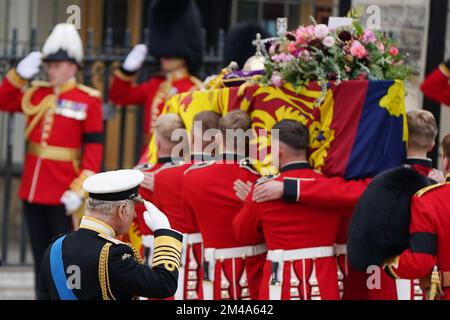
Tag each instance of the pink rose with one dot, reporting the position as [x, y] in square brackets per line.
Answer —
[272, 49]
[303, 34]
[282, 57]
[380, 47]
[276, 80]
[321, 31]
[292, 47]
[358, 50]
[369, 36]
[393, 51]
[328, 41]
[305, 55]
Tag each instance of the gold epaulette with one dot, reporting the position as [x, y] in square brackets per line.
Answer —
[40, 83]
[421, 192]
[90, 91]
[110, 239]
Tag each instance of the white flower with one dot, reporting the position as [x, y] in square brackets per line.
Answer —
[328, 41]
[321, 31]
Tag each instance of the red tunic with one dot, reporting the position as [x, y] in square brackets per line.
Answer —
[61, 121]
[152, 94]
[429, 236]
[291, 226]
[436, 85]
[337, 192]
[147, 195]
[210, 204]
[167, 197]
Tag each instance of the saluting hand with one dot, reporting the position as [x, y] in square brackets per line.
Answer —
[154, 218]
[268, 191]
[135, 58]
[28, 67]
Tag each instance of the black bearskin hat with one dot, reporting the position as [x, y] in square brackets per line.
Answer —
[175, 31]
[238, 43]
[379, 228]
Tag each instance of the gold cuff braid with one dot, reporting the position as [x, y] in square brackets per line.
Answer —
[167, 253]
[15, 80]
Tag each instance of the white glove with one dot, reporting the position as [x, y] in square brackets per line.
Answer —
[72, 201]
[154, 218]
[28, 67]
[135, 58]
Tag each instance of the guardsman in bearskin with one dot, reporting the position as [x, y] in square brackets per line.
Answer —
[64, 133]
[168, 191]
[232, 269]
[175, 34]
[91, 264]
[301, 261]
[436, 85]
[427, 257]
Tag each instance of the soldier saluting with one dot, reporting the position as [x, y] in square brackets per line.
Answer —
[64, 132]
[101, 266]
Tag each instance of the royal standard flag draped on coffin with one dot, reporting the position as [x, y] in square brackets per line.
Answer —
[357, 131]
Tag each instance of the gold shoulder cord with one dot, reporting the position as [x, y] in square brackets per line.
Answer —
[103, 272]
[136, 254]
[36, 111]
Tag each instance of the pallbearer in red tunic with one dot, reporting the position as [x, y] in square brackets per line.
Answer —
[165, 126]
[436, 85]
[301, 262]
[64, 133]
[168, 194]
[427, 257]
[337, 192]
[232, 267]
[176, 44]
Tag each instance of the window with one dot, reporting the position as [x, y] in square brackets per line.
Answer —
[266, 12]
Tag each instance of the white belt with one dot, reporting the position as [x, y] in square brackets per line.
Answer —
[300, 254]
[212, 254]
[278, 257]
[340, 249]
[193, 238]
[237, 252]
